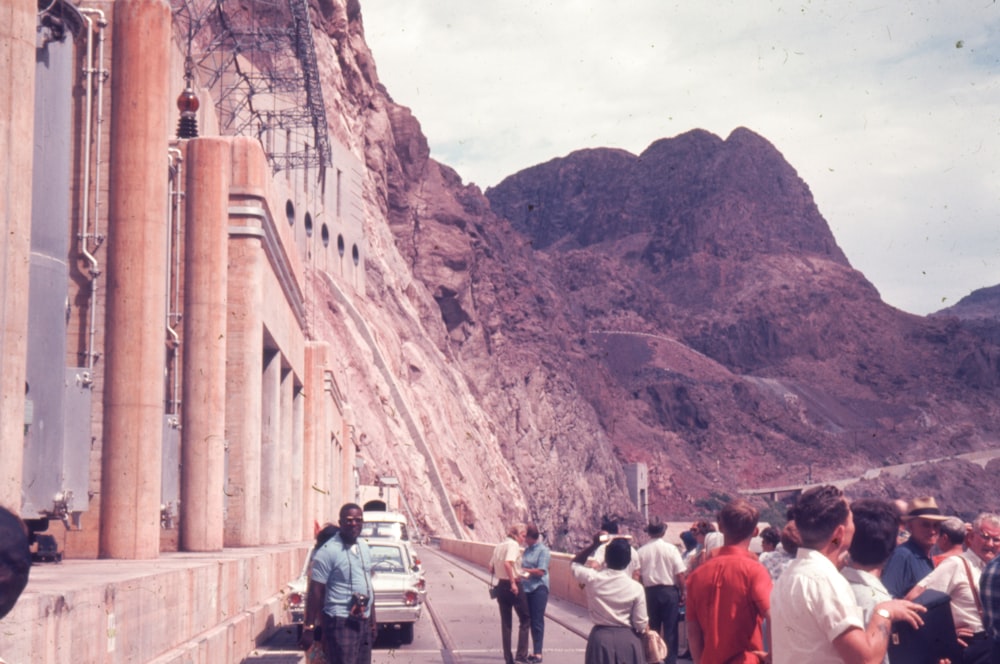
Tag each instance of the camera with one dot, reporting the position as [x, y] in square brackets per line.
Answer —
[358, 604]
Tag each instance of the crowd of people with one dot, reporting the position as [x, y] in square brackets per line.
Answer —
[867, 581]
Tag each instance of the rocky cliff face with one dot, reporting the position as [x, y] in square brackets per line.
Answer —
[687, 307]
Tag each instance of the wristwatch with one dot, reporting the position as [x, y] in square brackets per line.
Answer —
[884, 613]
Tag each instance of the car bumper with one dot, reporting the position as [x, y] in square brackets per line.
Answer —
[393, 615]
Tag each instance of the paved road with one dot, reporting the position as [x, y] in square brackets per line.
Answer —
[460, 624]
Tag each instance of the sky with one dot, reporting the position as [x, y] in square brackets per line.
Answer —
[889, 110]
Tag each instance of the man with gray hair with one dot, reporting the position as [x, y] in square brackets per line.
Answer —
[951, 541]
[958, 577]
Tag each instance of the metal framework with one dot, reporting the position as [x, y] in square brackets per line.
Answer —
[258, 60]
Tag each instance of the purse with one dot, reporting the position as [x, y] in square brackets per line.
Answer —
[493, 589]
[652, 643]
[934, 641]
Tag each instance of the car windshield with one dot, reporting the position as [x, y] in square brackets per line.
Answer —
[386, 529]
[387, 558]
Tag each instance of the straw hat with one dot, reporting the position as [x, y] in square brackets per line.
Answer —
[924, 507]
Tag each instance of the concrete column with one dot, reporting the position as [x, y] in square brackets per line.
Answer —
[136, 271]
[348, 455]
[286, 450]
[270, 450]
[297, 469]
[313, 457]
[17, 90]
[204, 413]
[245, 335]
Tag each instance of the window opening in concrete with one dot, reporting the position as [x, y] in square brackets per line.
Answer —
[290, 212]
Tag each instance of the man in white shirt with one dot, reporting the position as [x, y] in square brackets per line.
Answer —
[958, 577]
[662, 573]
[814, 615]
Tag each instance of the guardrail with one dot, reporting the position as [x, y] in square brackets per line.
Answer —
[561, 583]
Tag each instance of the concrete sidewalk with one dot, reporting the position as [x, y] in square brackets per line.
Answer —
[569, 615]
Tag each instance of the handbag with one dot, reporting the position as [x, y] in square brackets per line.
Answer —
[493, 589]
[654, 647]
[934, 641]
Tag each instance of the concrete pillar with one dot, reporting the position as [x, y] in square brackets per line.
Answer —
[136, 318]
[245, 335]
[17, 90]
[313, 457]
[297, 468]
[270, 450]
[204, 412]
[286, 449]
[348, 455]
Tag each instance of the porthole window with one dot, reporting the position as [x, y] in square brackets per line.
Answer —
[340, 245]
[355, 254]
[290, 212]
[309, 225]
[324, 233]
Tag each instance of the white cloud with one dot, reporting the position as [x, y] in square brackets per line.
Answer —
[890, 111]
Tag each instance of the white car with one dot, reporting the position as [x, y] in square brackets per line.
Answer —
[398, 587]
[295, 596]
[390, 526]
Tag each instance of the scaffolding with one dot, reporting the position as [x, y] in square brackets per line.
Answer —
[257, 59]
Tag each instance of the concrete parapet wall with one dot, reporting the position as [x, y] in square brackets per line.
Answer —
[561, 583]
[179, 609]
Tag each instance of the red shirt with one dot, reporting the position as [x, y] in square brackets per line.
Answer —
[728, 596]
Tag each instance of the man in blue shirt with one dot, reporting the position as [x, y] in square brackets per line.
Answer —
[911, 561]
[340, 594]
[535, 564]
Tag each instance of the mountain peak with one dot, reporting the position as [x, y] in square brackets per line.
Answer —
[694, 192]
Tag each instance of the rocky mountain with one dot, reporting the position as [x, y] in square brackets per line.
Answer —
[687, 307]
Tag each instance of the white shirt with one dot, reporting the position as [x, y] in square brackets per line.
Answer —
[811, 605]
[950, 577]
[660, 563]
[613, 598]
[506, 551]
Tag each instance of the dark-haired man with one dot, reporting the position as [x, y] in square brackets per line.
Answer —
[341, 594]
[728, 596]
[661, 570]
[15, 559]
[814, 615]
